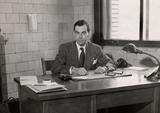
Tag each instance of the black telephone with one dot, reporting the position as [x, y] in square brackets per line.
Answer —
[65, 77]
[122, 63]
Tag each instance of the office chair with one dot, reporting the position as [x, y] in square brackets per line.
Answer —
[46, 66]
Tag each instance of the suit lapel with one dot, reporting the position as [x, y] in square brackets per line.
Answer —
[74, 54]
[88, 56]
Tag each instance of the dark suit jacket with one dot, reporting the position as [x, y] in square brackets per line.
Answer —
[68, 56]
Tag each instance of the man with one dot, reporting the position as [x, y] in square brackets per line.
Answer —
[79, 56]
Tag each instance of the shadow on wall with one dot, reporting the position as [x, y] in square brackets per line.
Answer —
[149, 62]
[3, 77]
[97, 38]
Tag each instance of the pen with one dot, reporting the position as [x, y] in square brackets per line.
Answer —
[126, 75]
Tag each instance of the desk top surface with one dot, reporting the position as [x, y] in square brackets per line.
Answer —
[96, 86]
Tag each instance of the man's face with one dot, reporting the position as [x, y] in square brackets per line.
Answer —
[81, 34]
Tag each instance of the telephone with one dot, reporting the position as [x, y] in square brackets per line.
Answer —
[65, 77]
[122, 63]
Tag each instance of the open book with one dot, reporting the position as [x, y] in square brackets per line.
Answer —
[43, 88]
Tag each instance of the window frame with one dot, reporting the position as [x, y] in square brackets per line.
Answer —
[98, 22]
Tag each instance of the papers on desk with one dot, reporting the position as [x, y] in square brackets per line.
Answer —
[151, 71]
[46, 86]
[43, 88]
[91, 75]
[28, 80]
[136, 68]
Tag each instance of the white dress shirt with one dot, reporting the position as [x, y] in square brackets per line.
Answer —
[79, 50]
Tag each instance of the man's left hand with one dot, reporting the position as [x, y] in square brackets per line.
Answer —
[110, 66]
[100, 70]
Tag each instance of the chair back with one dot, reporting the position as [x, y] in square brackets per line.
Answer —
[46, 66]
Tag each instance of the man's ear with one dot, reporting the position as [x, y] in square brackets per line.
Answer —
[73, 33]
[88, 36]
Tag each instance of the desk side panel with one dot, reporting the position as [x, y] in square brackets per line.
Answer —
[28, 104]
[122, 98]
[69, 105]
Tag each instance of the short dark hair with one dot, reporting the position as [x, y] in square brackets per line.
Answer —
[81, 23]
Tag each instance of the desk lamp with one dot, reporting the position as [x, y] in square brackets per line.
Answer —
[131, 48]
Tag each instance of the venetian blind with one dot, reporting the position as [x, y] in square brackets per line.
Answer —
[124, 19]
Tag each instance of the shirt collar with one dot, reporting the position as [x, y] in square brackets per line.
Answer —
[78, 49]
[78, 46]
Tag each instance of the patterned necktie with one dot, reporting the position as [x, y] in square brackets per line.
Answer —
[82, 58]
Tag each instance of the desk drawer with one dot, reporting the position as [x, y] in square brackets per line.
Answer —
[69, 105]
[125, 98]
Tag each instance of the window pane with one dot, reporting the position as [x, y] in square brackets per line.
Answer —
[154, 20]
[124, 19]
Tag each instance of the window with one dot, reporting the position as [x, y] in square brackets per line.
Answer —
[154, 20]
[124, 24]
[124, 21]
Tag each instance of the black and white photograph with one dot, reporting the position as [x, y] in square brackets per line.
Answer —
[79, 56]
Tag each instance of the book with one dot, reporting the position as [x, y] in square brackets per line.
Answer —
[43, 88]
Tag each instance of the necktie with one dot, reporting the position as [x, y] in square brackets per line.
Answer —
[82, 58]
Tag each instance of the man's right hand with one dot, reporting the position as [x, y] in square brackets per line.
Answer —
[79, 71]
[100, 70]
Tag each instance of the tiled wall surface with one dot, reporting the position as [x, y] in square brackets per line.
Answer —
[24, 48]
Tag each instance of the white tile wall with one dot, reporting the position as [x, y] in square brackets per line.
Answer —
[24, 48]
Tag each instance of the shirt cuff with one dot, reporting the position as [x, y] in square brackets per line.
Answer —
[105, 68]
[70, 70]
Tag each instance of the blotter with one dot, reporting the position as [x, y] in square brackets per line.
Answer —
[43, 88]
[91, 76]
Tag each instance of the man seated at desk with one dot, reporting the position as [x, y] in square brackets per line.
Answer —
[79, 56]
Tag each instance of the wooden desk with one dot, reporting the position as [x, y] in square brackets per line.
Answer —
[140, 95]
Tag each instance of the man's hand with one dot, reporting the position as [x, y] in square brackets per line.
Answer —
[110, 66]
[100, 69]
[79, 71]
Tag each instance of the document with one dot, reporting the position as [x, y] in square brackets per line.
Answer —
[91, 75]
[151, 71]
[43, 88]
[137, 68]
[28, 80]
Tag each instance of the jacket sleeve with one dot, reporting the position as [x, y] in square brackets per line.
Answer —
[59, 65]
[103, 59]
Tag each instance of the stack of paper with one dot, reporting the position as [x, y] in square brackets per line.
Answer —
[46, 86]
[28, 80]
[43, 88]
